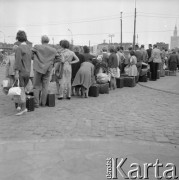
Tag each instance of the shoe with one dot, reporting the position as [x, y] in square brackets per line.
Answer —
[68, 98]
[21, 113]
[60, 98]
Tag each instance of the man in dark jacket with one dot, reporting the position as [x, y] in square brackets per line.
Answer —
[44, 58]
[149, 51]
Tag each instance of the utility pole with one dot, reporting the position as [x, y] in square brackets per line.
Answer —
[134, 26]
[121, 28]
[89, 44]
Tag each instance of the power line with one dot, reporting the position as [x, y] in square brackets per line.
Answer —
[158, 14]
[73, 22]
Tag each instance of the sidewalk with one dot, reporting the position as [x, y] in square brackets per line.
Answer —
[168, 84]
[80, 159]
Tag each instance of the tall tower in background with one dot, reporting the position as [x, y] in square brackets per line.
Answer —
[174, 39]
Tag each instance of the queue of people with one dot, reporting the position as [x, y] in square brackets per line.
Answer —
[75, 72]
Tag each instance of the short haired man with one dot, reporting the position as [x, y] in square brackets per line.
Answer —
[44, 58]
[144, 54]
[155, 59]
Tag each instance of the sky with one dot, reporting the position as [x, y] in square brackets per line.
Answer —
[87, 21]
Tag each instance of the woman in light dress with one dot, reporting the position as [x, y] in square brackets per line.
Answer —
[132, 65]
[65, 81]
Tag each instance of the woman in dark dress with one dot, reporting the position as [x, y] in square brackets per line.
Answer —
[173, 61]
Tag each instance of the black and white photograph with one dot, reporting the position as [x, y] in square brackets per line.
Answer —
[89, 89]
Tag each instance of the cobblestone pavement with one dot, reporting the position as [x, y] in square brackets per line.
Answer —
[133, 113]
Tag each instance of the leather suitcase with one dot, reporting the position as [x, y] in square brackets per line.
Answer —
[162, 73]
[143, 78]
[120, 82]
[30, 103]
[129, 81]
[94, 91]
[172, 73]
[158, 74]
[104, 88]
[166, 72]
[51, 100]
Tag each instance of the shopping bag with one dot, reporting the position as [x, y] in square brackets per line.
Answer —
[15, 90]
[6, 83]
[118, 73]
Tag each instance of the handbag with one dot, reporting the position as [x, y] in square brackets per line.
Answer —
[6, 83]
[126, 69]
[118, 73]
[15, 90]
[59, 71]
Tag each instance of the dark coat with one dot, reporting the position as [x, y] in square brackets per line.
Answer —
[76, 66]
[88, 57]
[173, 61]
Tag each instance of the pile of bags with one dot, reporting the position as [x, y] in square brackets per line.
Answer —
[102, 78]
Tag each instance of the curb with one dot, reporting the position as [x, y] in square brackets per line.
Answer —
[169, 92]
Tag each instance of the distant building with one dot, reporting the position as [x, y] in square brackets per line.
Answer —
[115, 45]
[174, 39]
[161, 45]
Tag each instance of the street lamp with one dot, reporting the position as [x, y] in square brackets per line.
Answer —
[3, 35]
[111, 36]
[71, 36]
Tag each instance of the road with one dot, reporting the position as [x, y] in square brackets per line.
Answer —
[137, 113]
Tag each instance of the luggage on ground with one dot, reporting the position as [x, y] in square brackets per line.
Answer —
[129, 81]
[30, 102]
[172, 73]
[143, 78]
[166, 72]
[94, 90]
[51, 100]
[120, 82]
[104, 88]
[158, 74]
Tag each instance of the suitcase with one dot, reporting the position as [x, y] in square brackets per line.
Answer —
[158, 74]
[172, 73]
[162, 73]
[129, 81]
[30, 103]
[166, 72]
[94, 91]
[143, 72]
[51, 100]
[143, 78]
[104, 88]
[120, 82]
[149, 75]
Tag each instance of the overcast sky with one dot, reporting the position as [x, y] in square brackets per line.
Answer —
[85, 20]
